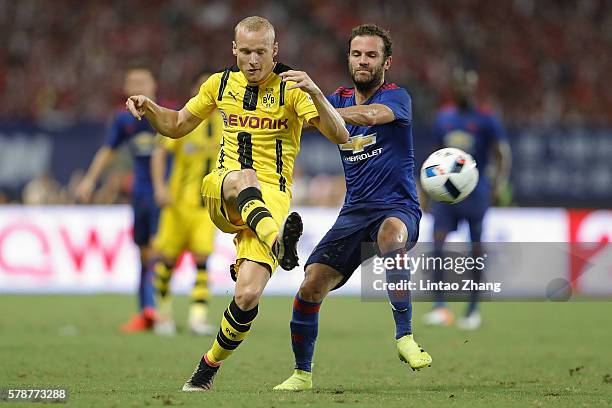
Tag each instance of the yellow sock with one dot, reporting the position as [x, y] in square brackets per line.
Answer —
[200, 292]
[235, 326]
[163, 273]
[256, 215]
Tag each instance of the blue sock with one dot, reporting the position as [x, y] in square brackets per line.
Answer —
[304, 329]
[401, 304]
[146, 290]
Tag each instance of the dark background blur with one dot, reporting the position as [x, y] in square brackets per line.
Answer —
[544, 66]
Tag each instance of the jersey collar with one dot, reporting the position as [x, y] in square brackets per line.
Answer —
[367, 101]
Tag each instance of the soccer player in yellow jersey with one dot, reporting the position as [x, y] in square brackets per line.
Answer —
[184, 222]
[264, 105]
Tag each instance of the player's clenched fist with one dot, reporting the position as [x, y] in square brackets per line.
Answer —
[136, 105]
[302, 80]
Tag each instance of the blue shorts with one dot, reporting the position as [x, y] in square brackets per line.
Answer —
[472, 210]
[146, 218]
[341, 247]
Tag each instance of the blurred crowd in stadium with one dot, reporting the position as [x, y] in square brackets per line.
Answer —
[540, 62]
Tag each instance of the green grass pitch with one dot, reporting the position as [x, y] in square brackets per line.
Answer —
[525, 355]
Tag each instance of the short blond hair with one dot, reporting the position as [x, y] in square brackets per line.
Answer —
[255, 23]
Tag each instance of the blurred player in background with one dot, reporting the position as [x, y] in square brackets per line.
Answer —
[381, 203]
[264, 105]
[184, 222]
[140, 137]
[478, 132]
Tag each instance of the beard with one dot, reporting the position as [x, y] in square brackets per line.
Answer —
[368, 84]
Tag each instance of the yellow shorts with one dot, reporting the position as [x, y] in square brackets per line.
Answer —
[184, 228]
[248, 246]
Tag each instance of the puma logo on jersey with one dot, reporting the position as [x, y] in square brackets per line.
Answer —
[233, 95]
[255, 122]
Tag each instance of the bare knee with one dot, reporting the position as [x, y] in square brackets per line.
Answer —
[247, 297]
[236, 181]
[319, 280]
[311, 292]
[392, 235]
[247, 178]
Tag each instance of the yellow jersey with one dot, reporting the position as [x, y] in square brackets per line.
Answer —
[262, 124]
[194, 156]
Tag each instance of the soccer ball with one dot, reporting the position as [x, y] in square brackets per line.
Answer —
[449, 175]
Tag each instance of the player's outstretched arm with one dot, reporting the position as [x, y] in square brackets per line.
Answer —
[367, 115]
[158, 169]
[168, 122]
[329, 122]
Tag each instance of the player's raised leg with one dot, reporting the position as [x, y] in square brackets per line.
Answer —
[392, 237]
[236, 323]
[245, 204]
[319, 280]
[242, 200]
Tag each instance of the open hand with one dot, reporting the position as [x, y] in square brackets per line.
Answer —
[302, 81]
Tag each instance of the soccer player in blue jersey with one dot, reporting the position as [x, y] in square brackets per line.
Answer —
[476, 131]
[381, 202]
[140, 137]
